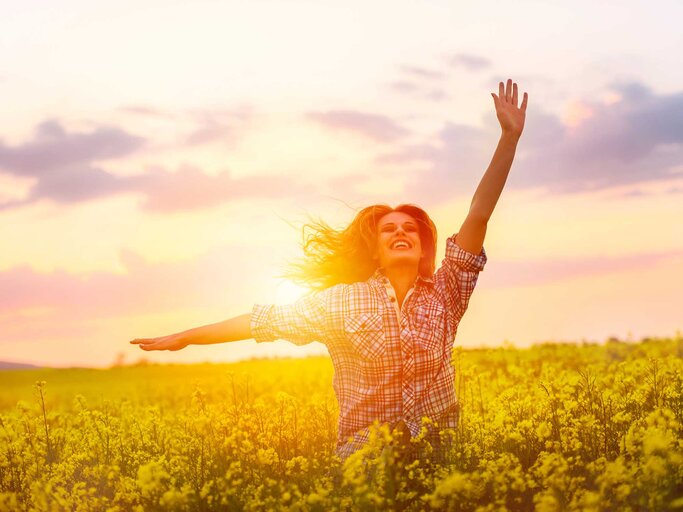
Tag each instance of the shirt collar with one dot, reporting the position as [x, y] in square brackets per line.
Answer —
[379, 277]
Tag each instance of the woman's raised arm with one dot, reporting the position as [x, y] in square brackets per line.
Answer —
[511, 119]
[233, 329]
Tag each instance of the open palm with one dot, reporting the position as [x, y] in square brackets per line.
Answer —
[510, 116]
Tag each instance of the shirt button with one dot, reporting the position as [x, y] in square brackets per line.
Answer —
[392, 299]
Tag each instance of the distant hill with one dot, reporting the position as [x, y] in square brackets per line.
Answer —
[7, 365]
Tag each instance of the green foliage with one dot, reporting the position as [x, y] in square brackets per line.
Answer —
[554, 427]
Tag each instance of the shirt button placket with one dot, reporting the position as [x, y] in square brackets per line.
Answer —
[408, 401]
[408, 389]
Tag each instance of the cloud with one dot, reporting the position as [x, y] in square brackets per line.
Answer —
[64, 164]
[190, 189]
[145, 111]
[373, 126]
[461, 149]
[65, 169]
[421, 83]
[468, 61]
[636, 140]
[418, 91]
[503, 274]
[437, 95]
[423, 73]
[54, 150]
[207, 125]
[61, 302]
[210, 132]
[78, 183]
[405, 87]
[218, 125]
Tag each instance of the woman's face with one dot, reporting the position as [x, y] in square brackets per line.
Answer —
[398, 240]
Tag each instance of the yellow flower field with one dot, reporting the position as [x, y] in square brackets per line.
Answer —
[553, 427]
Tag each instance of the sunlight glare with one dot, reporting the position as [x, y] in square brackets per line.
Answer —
[286, 292]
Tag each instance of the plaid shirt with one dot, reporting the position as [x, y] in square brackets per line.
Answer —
[390, 365]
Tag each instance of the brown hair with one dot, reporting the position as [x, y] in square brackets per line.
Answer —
[345, 256]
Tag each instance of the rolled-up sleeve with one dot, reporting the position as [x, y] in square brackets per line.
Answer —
[301, 322]
[458, 276]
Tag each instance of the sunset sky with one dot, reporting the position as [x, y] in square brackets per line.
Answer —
[157, 160]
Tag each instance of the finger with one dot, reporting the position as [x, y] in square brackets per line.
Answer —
[508, 90]
[495, 99]
[514, 94]
[501, 91]
[147, 345]
[524, 101]
[143, 341]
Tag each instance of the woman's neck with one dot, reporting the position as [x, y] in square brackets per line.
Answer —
[402, 280]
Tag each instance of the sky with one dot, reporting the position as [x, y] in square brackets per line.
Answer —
[158, 159]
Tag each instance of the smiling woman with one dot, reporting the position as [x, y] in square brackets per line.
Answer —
[388, 319]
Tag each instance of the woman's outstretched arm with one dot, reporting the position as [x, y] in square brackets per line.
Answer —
[511, 119]
[233, 329]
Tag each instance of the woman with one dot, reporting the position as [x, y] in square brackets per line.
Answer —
[388, 320]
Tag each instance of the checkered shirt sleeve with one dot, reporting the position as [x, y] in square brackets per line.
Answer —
[457, 277]
[301, 322]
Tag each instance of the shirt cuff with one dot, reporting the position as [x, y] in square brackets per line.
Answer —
[259, 323]
[465, 259]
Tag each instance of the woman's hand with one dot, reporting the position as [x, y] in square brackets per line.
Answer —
[170, 342]
[510, 117]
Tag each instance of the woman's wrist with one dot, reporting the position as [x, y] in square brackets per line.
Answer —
[510, 136]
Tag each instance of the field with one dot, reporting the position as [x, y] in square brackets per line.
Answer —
[553, 427]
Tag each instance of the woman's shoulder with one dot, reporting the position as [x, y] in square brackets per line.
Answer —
[348, 292]
[347, 288]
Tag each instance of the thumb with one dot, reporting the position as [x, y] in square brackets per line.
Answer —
[495, 99]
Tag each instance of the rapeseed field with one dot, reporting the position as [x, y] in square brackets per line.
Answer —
[552, 427]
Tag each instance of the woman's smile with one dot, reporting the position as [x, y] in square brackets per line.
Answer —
[401, 245]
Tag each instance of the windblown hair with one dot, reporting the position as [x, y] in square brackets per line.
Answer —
[346, 256]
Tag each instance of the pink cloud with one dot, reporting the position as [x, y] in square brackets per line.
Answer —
[373, 126]
[469, 61]
[67, 169]
[423, 73]
[145, 288]
[190, 189]
[505, 273]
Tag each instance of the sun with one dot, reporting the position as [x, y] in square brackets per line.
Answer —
[287, 292]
